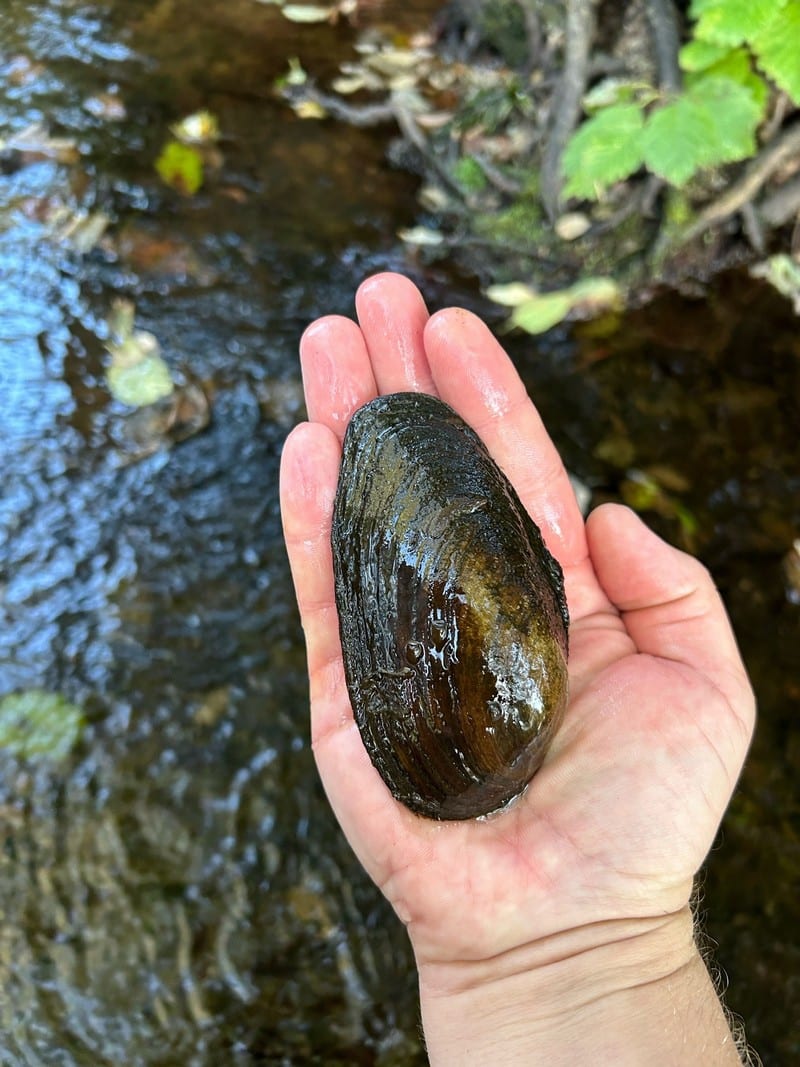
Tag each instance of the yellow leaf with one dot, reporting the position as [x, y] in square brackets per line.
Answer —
[181, 167]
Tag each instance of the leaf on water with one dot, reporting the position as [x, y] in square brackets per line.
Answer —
[420, 236]
[777, 49]
[537, 312]
[307, 13]
[309, 109]
[730, 22]
[141, 384]
[137, 375]
[605, 149]
[181, 167]
[512, 294]
[37, 723]
[541, 312]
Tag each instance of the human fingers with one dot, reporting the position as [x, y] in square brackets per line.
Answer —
[392, 315]
[309, 472]
[372, 820]
[670, 606]
[475, 376]
[337, 373]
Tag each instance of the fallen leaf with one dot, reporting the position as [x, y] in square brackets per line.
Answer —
[137, 375]
[421, 236]
[307, 13]
[512, 294]
[181, 167]
[201, 127]
[38, 723]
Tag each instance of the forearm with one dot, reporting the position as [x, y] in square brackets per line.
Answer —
[643, 999]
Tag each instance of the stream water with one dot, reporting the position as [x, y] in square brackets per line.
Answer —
[176, 891]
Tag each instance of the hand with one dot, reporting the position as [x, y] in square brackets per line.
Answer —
[604, 844]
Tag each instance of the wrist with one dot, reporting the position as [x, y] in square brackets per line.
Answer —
[622, 992]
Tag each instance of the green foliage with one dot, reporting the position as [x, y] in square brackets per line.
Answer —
[469, 174]
[730, 22]
[181, 166]
[777, 49]
[537, 312]
[35, 723]
[604, 150]
[712, 122]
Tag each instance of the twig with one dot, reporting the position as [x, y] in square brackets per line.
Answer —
[567, 109]
[409, 127]
[757, 174]
[666, 41]
[533, 31]
[502, 182]
[353, 114]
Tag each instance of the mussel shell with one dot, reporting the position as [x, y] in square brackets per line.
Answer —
[452, 613]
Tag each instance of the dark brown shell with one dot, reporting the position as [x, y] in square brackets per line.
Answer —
[452, 613]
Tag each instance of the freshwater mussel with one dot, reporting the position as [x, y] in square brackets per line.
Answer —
[452, 613]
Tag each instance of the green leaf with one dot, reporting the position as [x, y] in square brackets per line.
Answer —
[140, 384]
[714, 122]
[731, 22]
[735, 113]
[737, 66]
[777, 49]
[469, 174]
[137, 375]
[37, 723]
[605, 149]
[697, 55]
[541, 312]
[677, 141]
[181, 167]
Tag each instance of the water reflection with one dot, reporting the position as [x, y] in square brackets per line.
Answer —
[175, 892]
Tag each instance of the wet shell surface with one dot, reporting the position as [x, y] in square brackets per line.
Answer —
[452, 613]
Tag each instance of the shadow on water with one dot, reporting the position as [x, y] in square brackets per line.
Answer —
[176, 892]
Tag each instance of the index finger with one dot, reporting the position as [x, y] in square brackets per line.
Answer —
[475, 376]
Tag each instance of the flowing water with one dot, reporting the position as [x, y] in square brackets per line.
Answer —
[176, 892]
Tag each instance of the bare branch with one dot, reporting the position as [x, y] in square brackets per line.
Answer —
[754, 178]
[581, 18]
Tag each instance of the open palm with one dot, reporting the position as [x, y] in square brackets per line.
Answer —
[625, 807]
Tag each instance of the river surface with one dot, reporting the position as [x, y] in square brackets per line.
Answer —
[176, 892]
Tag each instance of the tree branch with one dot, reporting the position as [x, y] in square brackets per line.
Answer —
[663, 21]
[759, 172]
[581, 18]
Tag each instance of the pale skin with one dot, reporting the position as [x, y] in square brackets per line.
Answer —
[557, 931]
